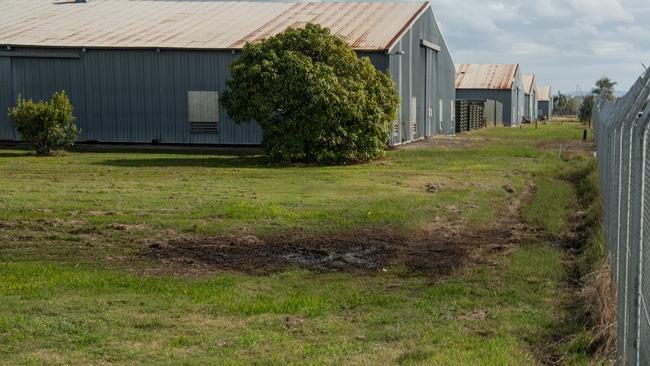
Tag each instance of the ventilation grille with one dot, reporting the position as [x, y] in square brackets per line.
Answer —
[204, 128]
[203, 111]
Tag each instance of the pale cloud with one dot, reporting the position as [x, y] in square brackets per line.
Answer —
[565, 42]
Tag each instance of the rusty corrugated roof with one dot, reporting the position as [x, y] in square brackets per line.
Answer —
[529, 84]
[196, 24]
[485, 76]
[544, 93]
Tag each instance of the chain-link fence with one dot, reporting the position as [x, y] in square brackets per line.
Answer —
[622, 130]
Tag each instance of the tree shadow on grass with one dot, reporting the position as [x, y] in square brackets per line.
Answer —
[193, 162]
[161, 149]
[16, 154]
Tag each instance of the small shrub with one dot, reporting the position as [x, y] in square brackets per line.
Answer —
[48, 126]
[315, 100]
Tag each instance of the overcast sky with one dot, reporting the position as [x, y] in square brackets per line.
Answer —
[564, 42]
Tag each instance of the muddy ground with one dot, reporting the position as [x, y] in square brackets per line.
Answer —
[439, 249]
[366, 252]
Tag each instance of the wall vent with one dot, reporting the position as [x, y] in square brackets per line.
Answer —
[203, 111]
[204, 128]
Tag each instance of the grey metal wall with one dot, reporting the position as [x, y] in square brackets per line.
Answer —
[513, 100]
[531, 111]
[427, 75]
[517, 103]
[6, 99]
[503, 96]
[126, 95]
[623, 147]
[139, 96]
[545, 110]
[535, 106]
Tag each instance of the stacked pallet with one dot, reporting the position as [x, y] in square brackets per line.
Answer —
[477, 114]
[462, 116]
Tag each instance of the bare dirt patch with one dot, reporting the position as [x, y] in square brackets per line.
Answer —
[437, 250]
[368, 252]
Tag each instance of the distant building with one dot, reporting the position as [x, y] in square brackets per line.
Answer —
[503, 83]
[153, 71]
[545, 103]
[530, 98]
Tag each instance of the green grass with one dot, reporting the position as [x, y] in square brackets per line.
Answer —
[72, 292]
[60, 314]
[75, 200]
[551, 206]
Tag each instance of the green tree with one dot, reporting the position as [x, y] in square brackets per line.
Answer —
[572, 106]
[584, 113]
[48, 126]
[606, 86]
[560, 102]
[315, 100]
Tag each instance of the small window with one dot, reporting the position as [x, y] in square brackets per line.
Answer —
[440, 111]
[203, 111]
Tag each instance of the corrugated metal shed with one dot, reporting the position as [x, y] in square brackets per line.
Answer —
[529, 84]
[530, 95]
[196, 25]
[545, 102]
[134, 69]
[486, 76]
[544, 93]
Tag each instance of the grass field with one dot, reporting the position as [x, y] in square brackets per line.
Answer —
[77, 284]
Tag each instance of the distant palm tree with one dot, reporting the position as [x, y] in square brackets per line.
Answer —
[605, 85]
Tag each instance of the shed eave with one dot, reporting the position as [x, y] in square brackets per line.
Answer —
[153, 48]
[495, 89]
[407, 26]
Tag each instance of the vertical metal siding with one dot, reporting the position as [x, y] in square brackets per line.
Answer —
[395, 65]
[129, 95]
[506, 97]
[428, 79]
[7, 131]
[378, 59]
[535, 106]
[518, 99]
[141, 95]
[513, 100]
[546, 109]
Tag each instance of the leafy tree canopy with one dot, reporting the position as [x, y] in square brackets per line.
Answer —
[315, 100]
[606, 86]
[585, 111]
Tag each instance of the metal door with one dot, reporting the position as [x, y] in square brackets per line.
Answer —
[429, 93]
[7, 130]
